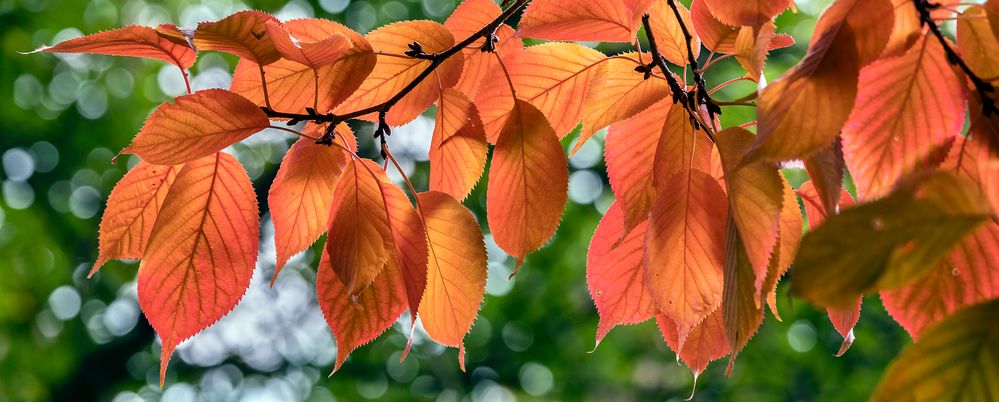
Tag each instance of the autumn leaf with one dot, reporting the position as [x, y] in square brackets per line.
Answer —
[597, 21]
[630, 153]
[287, 81]
[131, 211]
[360, 241]
[890, 241]
[719, 37]
[953, 361]
[978, 44]
[752, 46]
[302, 193]
[788, 239]
[456, 276]
[817, 210]
[825, 170]
[684, 248]
[134, 41]
[905, 107]
[746, 12]
[201, 252]
[803, 111]
[458, 147]
[742, 306]
[755, 193]
[469, 17]
[392, 73]
[554, 77]
[528, 183]
[196, 125]
[357, 319]
[617, 92]
[408, 241]
[669, 34]
[705, 343]
[312, 54]
[680, 148]
[243, 34]
[614, 273]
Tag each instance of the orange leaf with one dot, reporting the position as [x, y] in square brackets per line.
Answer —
[742, 307]
[456, 277]
[458, 148]
[196, 125]
[705, 342]
[617, 93]
[756, 193]
[746, 12]
[392, 73]
[360, 241]
[630, 154]
[669, 35]
[302, 192]
[680, 148]
[243, 34]
[312, 54]
[202, 250]
[467, 19]
[596, 21]
[752, 46]
[804, 110]
[825, 170]
[287, 81]
[357, 319]
[719, 37]
[614, 273]
[979, 48]
[528, 182]
[843, 319]
[134, 41]
[131, 212]
[554, 77]
[906, 106]
[684, 248]
[409, 242]
[787, 245]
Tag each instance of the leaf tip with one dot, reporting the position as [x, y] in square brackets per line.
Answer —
[847, 342]
[461, 357]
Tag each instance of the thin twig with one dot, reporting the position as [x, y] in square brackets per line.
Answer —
[701, 92]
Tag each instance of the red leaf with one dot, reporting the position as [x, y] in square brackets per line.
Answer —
[302, 193]
[243, 34]
[614, 273]
[202, 250]
[196, 125]
[906, 106]
[528, 183]
[630, 153]
[134, 41]
[458, 148]
[131, 212]
[706, 341]
[357, 319]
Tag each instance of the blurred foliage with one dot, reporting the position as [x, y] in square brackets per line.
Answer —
[64, 337]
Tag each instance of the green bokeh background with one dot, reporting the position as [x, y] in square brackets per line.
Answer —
[64, 337]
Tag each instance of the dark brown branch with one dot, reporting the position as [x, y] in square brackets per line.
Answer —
[679, 93]
[701, 92]
[436, 59]
[983, 87]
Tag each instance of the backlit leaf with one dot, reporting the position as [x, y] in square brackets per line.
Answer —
[601, 21]
[196, 125]
[131, 211]
[955, 360]
[458, 148]
[312, 54]
[392, 73]
[288, 81]
[630, 152]
[803, 111]
[719, 37]
[746, 12]
[705, 343]
[357, 319]
[617, 92]
[243, 34]
[825, 171]
[669, 35]
[791, 223]
[554, 77]
[684, 248]
[890, 241]
[134, 41]
[360, 241]
[614, 273]
[409, 242]
[302, 192]
[456, 276]
[202, 250]
[469, 17]
[906, 106]
[742, 307]
[528, 183]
